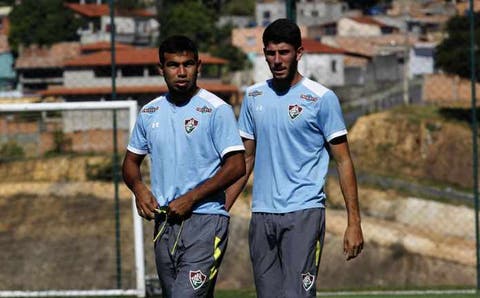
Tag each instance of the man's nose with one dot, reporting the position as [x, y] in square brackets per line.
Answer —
[276, 59]
[182, 70]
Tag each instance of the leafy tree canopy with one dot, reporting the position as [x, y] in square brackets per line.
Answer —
[197, 21]
[239, 8]
[453, 54]
[41, 22]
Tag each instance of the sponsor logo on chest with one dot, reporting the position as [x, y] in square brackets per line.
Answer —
[255, 93]
[150, 110]
[309, 97]
[204, 109]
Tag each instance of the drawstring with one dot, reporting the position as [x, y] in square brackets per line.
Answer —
[160, 231]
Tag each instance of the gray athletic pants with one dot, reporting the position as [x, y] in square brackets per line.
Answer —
[285, 250]
[188, 254]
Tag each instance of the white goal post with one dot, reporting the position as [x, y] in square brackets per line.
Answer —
[139, 259]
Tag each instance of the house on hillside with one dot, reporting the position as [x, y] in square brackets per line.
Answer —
[87, 75]
[137, 27]
[308, 12]
[40, 67]
[7, 73]
[320, 62]
[363, 26]
[373, 59]
[422, 58]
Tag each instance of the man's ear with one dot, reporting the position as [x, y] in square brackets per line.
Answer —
[199, 66]
[299, 53]
[160, 70]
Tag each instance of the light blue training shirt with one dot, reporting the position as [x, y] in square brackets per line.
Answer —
[186, 145]
[291, 131]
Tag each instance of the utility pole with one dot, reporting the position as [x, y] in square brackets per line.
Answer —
[406, 54]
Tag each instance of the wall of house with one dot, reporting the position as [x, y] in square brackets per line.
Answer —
[420, 62]
[326, 69]
[355, 75]
[317, 66]
[348, 27]
[275, 10]
[87, 78]
[387, 68]
[312, 13]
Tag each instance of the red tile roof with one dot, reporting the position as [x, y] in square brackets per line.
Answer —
[313, 46]
[155, 89]
[131, 56]
[103, 45]
[368, 21]
[98, 10]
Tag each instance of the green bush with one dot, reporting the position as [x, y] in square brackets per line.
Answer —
[11, 150]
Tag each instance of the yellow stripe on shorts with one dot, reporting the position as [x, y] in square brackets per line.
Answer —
[318, 250]
[217, 253]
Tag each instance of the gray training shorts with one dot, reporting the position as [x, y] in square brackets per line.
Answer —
[285, 250]
[188, 254]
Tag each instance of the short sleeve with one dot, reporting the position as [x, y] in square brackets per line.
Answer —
[245, 121]
[330, 117]
[225, 131]
[138, 140]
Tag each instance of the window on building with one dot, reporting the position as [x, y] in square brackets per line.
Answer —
[314, 13]
[333, 66]
[153, 71]
[132, 71]
[103, 71]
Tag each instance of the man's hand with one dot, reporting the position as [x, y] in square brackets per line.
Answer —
[146, 203]
[353, 241]
[182, 206]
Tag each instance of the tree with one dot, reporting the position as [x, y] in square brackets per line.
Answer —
[41, 22]
[453, 54]
[190, 18]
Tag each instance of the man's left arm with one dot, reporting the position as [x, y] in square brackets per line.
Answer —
[353, 239]
[233, 167]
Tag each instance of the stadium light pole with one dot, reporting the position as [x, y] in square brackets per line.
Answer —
[473, 81]
[115, 145]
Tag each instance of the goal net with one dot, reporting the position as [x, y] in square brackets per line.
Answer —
[68, 226]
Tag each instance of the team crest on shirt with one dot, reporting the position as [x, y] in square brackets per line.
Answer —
[294, 111]
[204, 109]
[190, 124]
[197, 279]
[309, 97]
[307, 280]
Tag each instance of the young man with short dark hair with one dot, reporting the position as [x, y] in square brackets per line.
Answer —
[289, 125]
[196, 153]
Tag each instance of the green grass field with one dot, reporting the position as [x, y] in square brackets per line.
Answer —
[377, 294]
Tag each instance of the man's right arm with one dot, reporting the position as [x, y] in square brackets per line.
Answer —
[235, 189]
[144, 199]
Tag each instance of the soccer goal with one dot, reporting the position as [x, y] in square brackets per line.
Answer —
[68, 225]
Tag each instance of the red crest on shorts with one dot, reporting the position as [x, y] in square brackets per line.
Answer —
[197, 279]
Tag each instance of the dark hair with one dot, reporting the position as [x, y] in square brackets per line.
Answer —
[282, 30]
[177, 44]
